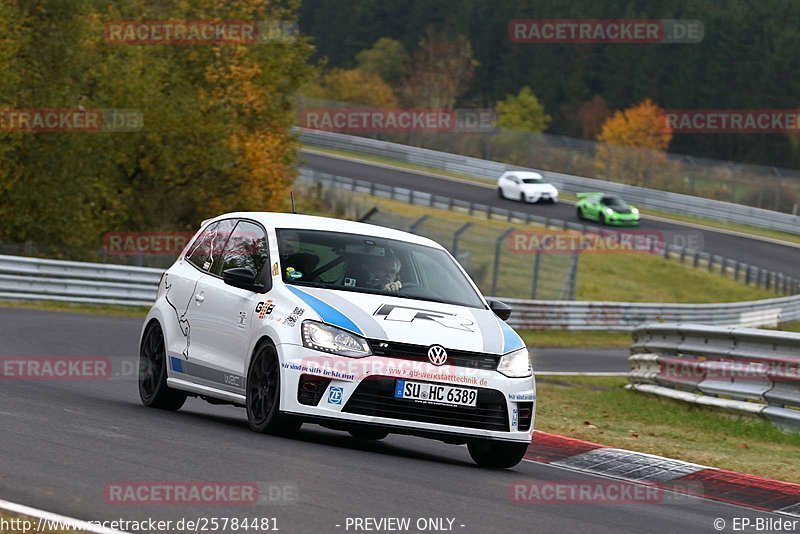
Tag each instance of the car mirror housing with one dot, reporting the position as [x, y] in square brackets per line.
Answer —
[243, 278]
[501, 309]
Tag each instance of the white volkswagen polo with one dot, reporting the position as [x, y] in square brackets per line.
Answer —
[351, 326]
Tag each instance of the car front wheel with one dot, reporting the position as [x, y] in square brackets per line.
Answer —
[497, 454]
[264, 393]
[580, 214]
[370, 434]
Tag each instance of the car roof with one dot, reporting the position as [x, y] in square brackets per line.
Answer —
[311, 222]
[525, 174]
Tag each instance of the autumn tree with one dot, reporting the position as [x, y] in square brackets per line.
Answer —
[440, 71]
[592, 115]
[387, 58]
[633, 142]
[216, 127]
[353, 86]
[522, 112]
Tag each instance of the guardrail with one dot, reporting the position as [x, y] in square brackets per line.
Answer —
[39, 279]
[748, 274]
[491, 170]
[71, 281]
[740, 369]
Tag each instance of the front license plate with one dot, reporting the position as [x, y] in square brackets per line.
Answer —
[435, 393]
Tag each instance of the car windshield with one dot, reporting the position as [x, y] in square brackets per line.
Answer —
[532, 181]
[369, 264]
[614, 202]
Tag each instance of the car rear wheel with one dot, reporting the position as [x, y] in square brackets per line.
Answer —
[579, 212]
[153, 389]
[497, 454]
[372, 434]
[601, 219]
[264, 393]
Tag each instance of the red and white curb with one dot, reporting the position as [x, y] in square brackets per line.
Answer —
[717, 484]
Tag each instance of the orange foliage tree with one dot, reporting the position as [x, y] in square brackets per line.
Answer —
[633, 142]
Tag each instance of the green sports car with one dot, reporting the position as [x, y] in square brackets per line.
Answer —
[606, 209]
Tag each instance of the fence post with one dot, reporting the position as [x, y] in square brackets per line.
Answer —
[573, 272]
[536, 264]
[413, 228]
[497, 258]
[747, 275]
[457, 236]
[696, 259]
[736, 270]
[710, 262]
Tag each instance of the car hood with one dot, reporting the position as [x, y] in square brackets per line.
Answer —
[538, 188]
[413, 321]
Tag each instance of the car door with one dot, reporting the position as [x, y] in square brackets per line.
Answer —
[178, 284]
[224, 318]
[513, 189]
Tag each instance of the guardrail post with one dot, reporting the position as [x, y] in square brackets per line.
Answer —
[372, 189]
[710, 262]
[696, 259]
[497, 244]
[457, 236]
[747, 275]
[683, 254]
[736, 270]
[536, 264]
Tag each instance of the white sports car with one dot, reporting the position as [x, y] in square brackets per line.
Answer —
[351, 326]
[526, 186]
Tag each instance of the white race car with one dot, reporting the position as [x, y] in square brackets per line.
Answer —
[348, 325]
[526, 187]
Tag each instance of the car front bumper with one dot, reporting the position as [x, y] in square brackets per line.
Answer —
[359, 391]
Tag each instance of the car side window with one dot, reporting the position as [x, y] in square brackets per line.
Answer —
[247, 247]
[221, 235]
[200, 251]
[513, 179]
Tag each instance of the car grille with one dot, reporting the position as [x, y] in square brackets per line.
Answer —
[419, 353]
[375, 397]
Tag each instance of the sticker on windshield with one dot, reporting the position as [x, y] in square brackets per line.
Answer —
[294, 275]
[275, 269]
[350, 282]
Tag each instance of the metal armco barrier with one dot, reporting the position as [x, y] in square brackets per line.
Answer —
[71, 281]
[491, 170]
[39, 279]
[739, 369]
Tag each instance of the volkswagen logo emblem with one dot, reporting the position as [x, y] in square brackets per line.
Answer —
[437, 355]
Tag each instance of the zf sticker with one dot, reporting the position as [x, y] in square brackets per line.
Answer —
[298, 311]
[290, 321]
[335, 395]
[264, 308]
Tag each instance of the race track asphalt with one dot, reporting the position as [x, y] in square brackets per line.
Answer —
[757, 252]
[63, 442]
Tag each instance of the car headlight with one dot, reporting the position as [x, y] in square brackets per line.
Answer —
[609, 211]
[517, 364]
[327, 338]
[635, 211]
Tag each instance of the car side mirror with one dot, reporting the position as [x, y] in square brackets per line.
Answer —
[501, 309]
[243, 278]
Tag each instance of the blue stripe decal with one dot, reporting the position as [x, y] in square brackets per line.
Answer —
[511, 340]
[328, 313]
[177, 364]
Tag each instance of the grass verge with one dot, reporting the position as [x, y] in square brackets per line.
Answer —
[135, 312]
[711, 223]
[598, 409]
[578, 339]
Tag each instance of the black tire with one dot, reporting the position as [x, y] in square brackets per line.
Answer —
[153, 389]
[368, 433]
[500, 193]
[580, 214]
[497, 454]
[264, 393]
[522, 197]
[601, 219]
